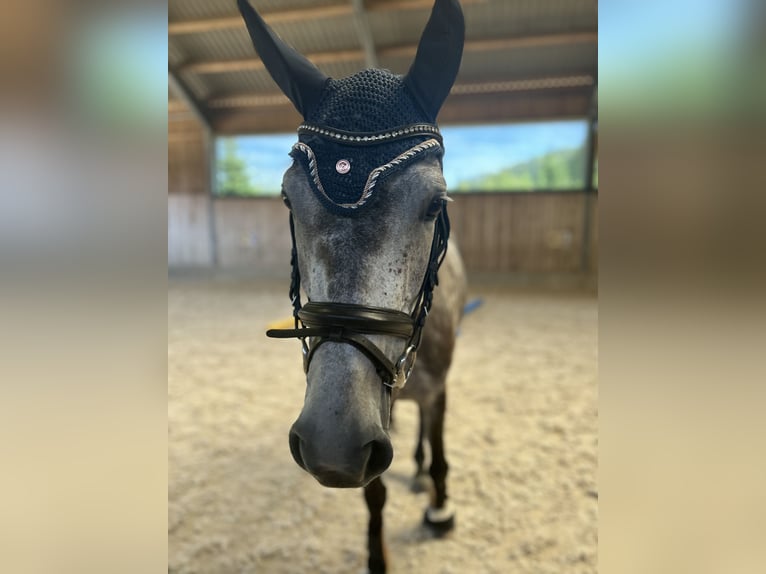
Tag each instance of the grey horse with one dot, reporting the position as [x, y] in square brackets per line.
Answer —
[368, 217]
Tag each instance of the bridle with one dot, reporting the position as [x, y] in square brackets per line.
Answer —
[319, 322]
[350, 323]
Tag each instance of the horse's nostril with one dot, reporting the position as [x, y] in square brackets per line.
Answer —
[295, 448]
[381, 455]
[334, 464]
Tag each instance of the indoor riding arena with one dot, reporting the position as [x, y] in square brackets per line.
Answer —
[520, 161]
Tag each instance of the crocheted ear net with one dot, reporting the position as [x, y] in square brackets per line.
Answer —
[369, 101]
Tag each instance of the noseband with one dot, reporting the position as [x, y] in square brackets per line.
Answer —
[319, 322]
[350, 323]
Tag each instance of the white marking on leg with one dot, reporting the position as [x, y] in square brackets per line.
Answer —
[436, 515]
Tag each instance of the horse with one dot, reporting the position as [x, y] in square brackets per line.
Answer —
[368, 219]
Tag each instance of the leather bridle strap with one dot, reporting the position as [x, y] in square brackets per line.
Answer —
[349, 323]
[321, 322]
[361, 318]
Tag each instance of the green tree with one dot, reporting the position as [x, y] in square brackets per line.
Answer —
[232, 172]
[562, 169]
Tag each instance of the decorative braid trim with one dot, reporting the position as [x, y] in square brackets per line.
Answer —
[370, 138]
[374, 174]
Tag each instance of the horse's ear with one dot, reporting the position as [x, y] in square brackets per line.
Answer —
[299, 79]
[438, 58]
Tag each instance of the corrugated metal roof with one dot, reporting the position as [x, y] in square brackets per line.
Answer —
[527, 17]
[221, 44]
[236, 83]
[396, 28]
[527, 63]
[320, 35]
[199, 9]
[176, 55]
[199, 89]
[179, 10]
[274, 5]
[507, 41]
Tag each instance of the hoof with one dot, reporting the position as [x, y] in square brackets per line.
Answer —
[421, 482]
[440, 521]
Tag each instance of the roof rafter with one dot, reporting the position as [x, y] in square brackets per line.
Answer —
[279, 17]
[182, 92]
[300, 14]
[220, 66]
[490, 107]
[364, 33]
[256, 100]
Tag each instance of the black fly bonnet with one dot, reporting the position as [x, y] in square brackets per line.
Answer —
[361, 124]
[356, 132]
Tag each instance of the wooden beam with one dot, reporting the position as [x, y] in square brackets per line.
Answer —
[474, 108]
[364, 33]
[500, 44]
[591, 147]
[264, 120]
[536, 41]
[222, 66]
[398, 5]
[271, 18]
[592, 139]
[249, 101]
[182, 92]
[178, 28]
[177, 107]
[201, 26]
[520, 106]
[256, 100]
[524, 85]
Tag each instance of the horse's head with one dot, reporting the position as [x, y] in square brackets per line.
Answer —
[367, 201]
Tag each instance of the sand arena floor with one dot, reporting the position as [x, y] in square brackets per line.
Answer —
[521, 439]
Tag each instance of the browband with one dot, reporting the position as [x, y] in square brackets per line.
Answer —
[380, 171]
[371, 138]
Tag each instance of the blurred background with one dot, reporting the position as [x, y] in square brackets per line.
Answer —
[94, 132]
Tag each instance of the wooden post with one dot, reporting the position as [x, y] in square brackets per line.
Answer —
[589, 190]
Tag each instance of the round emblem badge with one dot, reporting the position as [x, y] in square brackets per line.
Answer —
[343, 166]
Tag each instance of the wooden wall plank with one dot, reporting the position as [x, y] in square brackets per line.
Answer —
[188, 170]
[522, 232]
[188, 231]
[593, 238]
[253, 236]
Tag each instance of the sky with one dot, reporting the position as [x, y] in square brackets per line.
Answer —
[470, 151]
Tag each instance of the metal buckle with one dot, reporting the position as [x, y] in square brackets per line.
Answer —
[404, 367]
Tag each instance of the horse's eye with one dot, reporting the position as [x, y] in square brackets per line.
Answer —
[286, 201]
[435, 207]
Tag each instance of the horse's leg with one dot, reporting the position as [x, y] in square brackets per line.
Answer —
[419, 451]
[419, 481]
[375, 496]
[440, 516]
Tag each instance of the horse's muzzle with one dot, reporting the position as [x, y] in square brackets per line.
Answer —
[336, 465]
